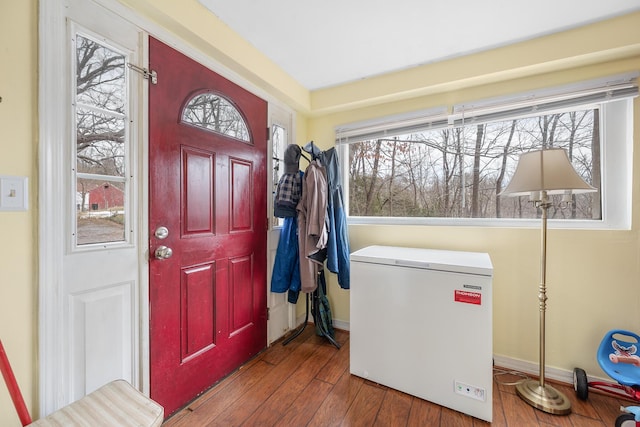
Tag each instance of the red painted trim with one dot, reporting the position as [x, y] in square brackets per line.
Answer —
[14, 390]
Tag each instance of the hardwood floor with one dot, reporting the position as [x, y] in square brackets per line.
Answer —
[307, 383]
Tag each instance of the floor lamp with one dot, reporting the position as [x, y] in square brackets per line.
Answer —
[540, 174]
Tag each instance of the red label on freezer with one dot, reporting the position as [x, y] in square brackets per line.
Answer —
[468, 297]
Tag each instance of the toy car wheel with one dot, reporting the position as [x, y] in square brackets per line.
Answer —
[626, 420]
[580, 383]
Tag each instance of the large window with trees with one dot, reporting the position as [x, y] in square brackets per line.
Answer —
[460, 172]
[456, 165]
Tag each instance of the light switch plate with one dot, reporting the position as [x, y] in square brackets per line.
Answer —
[14, 194]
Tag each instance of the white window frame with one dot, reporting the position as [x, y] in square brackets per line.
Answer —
[616, 136]
[283, 118]
[131, 159]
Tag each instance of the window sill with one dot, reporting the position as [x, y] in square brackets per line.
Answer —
[486, 222]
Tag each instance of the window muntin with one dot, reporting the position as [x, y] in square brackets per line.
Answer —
[101, 143]
[215, 113]
[459, 172]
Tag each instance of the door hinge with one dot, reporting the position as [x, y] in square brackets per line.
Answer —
[268, 134]
[146, 74]
[268, 312]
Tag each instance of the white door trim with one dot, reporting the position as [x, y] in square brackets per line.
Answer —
[52, 125]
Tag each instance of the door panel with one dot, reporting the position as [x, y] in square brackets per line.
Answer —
[198, 187]
[241, 197]
[208, 300]
[102, 336]
[196, 299]
[241, 296]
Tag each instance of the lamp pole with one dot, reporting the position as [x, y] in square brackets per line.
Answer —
[542, 295]
[537, 393]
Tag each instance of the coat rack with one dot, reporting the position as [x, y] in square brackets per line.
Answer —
[315, 309]
[319, 293]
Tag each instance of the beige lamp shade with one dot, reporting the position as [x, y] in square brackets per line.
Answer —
[547, 170]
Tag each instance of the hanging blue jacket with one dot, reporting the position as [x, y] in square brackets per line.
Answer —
[286, 267]
[338, 244]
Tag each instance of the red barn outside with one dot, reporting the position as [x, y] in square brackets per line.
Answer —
[105, 196]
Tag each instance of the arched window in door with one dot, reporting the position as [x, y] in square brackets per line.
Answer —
[215, 113]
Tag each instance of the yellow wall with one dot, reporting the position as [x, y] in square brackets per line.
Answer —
[592, 275]
[18, 142]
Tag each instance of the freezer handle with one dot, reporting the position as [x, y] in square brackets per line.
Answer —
[418, 264]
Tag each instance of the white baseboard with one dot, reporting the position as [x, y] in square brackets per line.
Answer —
[341, 324]
[338, 324]
[556, 374]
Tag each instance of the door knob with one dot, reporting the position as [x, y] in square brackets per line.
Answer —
[163, 252]
[161, 232]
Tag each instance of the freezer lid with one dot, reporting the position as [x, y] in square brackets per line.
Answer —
[478, 263]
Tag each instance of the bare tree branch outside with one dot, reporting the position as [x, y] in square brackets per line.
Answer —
[460, 172]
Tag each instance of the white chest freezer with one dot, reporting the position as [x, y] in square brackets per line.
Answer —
[421, 323]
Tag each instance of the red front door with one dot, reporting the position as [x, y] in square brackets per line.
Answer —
[207, 187]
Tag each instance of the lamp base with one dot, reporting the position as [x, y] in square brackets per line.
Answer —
[546, 398]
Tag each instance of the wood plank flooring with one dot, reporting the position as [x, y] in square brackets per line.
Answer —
[307, 383]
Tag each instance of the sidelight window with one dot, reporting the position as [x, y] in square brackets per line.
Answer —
[280, 137]
[101, 142]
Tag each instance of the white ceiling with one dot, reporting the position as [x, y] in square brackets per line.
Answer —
[329, 42]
